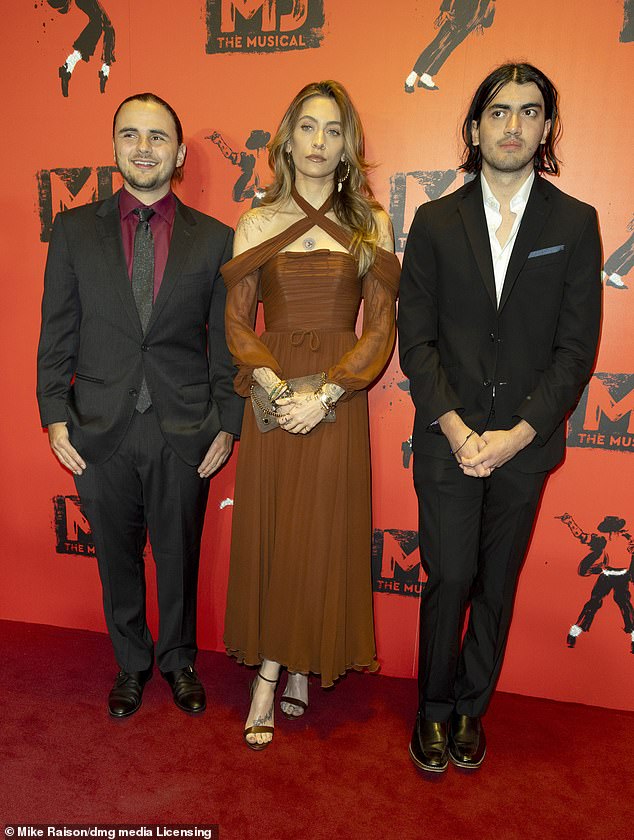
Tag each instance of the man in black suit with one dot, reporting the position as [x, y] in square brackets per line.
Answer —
[499, 322]
[135, 385]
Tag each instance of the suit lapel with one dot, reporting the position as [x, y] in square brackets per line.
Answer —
[535, 216]
[471, 210]
[183, 235]
[109, 230]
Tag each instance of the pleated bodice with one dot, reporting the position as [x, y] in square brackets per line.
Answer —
[317, 291]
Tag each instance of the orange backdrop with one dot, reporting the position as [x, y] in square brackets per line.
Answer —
[203, 58]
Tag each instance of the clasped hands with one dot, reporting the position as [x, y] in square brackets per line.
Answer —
[478, 455]
[300, 413]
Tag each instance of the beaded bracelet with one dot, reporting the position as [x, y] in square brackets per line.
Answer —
[455, 451]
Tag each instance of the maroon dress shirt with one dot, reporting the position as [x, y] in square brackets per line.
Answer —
[161, 223]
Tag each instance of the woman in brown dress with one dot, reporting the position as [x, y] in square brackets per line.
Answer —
[300, 593]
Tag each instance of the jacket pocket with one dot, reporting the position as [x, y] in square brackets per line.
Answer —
[85, 378]
[545, 259]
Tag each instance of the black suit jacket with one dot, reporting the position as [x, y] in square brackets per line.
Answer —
[528, 358]
[93, 354]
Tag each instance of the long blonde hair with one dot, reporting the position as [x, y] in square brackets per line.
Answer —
[354, 204]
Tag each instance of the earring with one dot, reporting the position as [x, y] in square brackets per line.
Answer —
[345, 177]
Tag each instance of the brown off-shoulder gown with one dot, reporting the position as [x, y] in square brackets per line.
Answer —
[300, 588]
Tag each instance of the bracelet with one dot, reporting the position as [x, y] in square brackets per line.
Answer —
[455, 451]
[327, 402]
[282, 389]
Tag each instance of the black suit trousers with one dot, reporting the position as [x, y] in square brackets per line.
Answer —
[473, 534]
[145, 487]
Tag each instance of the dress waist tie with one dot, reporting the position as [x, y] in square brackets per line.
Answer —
[298, 336]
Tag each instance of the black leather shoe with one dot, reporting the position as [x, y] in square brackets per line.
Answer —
[571, 640]
[467, 743]
[428, 747]
[103, 80]
[127, 692]
[187, 689]
[65, 77]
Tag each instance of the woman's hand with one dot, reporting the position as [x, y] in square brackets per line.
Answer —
[265, 377]
[300, 413]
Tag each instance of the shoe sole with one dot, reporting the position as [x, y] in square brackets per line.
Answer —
[190, 711]
[468, 765]
[437, 769]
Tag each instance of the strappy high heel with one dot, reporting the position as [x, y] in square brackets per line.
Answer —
[293, 701]
[253, 730]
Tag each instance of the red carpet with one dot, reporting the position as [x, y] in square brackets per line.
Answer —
[553, 770]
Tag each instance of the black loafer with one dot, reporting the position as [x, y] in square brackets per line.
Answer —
[428, 747]
[467, 742]
[187, 689]
[127, 692]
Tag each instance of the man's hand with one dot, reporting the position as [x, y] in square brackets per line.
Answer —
[217, 454]
[499, 447]
[66, 453]
[464, 442]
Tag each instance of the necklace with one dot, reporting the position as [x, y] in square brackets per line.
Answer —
[308, 243]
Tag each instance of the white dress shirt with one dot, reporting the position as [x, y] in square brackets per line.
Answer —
[502, 255]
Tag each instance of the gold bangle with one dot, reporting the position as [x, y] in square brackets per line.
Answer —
[327, 402]
[282, 389]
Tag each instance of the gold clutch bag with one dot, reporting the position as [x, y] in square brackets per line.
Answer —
[267, 413]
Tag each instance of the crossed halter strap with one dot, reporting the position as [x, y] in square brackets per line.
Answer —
[255, 257]
[386, 265]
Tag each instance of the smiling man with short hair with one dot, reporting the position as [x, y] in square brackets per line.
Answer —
[135, 385]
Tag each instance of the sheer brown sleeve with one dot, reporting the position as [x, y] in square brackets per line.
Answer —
[246, 348]
[364, 362]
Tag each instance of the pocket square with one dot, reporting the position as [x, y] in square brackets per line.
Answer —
[543, 251]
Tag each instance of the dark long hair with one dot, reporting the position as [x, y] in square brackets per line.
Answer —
[152, 97]
[545, 158]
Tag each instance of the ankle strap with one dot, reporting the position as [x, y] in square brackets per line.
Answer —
[266, 679]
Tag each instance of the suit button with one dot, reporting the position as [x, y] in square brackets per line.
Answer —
[492, 336]
[144, 347]
[486, 383]
[132, 392]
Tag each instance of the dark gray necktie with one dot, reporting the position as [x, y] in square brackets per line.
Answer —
[143, 284]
